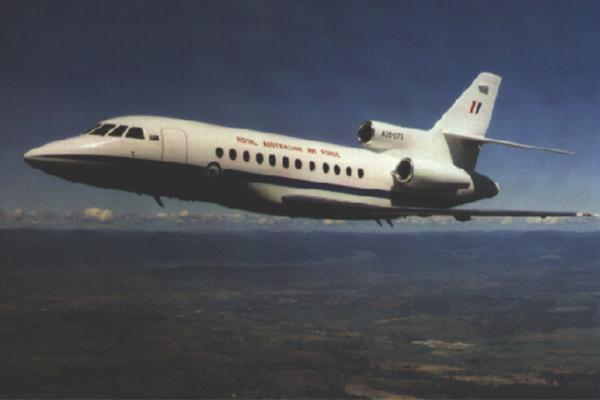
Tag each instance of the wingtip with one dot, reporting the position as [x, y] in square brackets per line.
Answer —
[569, 153]
[588, 215]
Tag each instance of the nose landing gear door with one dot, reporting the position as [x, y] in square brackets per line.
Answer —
[175, 146]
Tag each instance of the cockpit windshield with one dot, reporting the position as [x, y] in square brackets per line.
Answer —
[104, 129]
[91, 129]
[118, 132]
[135, 133]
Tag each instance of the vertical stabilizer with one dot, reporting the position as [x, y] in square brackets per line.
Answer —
[470, 115]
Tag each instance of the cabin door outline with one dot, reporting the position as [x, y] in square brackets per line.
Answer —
[175, 145]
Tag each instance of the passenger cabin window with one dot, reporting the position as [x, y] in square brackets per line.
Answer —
[232, 154]
[298, 164]
[349, 171]
[272, 160]
[219, 152]
[246, 156]
[325, 168]
[119, 131]
[259, 158]
[312, 166]
[135, 133]
[102, 130]
[337, 169]
[361, 173]
[286, 162]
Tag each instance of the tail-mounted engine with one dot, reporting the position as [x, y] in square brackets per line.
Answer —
[430, 175]
[381, 136]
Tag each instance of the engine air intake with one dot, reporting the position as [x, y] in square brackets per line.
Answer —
[365, 133]
[429, 175]
[404, 170]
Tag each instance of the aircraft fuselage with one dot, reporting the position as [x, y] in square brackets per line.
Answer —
[241, 169]
[399, 172]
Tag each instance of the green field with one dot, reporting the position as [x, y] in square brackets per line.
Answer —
[130, 315]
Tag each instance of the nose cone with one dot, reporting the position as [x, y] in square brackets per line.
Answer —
[57, 158]
[34, 157]
[28, 156]
[54, 153]
[51, 155]
[73, 158]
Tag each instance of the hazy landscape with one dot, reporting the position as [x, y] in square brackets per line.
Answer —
[97, 314]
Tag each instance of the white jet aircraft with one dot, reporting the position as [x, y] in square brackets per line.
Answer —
[401, 172]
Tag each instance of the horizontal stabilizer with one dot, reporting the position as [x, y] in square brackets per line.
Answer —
[483, 140]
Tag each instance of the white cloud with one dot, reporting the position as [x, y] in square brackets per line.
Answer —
[236, 218]
[98, 215]
[443, 219]
[545, 221]
[15, 214]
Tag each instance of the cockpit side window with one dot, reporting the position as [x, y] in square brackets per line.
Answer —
[102, 130]
[119, 131]
[135, 133]
[91, 129]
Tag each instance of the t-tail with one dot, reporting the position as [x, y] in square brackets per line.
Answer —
[469, 118]
[465, 124]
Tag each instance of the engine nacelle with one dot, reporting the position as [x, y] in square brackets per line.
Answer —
[381, 136]
[430, 175]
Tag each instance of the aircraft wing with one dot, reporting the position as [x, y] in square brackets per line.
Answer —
[316, 207]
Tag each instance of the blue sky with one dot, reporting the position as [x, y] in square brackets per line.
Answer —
[312, 69]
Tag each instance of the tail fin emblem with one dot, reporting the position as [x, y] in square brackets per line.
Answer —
[475, 107]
